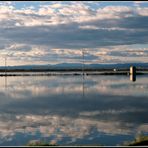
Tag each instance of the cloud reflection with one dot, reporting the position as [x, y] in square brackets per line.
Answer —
[56, 107]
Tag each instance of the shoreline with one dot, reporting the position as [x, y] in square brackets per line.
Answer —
[67, 73]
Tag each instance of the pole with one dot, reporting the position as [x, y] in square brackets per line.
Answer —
[5, 65]
[83, 61]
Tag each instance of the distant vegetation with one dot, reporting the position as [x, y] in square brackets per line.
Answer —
[76, 67]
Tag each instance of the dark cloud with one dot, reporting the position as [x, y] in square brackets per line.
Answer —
[134, 22]
[138, 22]
[71, 36]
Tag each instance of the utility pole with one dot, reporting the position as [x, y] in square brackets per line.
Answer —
[83, 73]
[5, 65]
[83, 61]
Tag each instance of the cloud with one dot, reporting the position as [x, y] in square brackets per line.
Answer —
[67, 36]
[72, 26]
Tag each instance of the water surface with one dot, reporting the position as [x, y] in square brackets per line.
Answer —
[72, 110]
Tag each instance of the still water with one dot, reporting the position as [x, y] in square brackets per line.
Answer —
[72, 110]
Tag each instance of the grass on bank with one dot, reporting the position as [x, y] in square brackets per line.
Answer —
[139, 141]
[40, 143]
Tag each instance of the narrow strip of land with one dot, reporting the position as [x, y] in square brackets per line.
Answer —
[54, 73]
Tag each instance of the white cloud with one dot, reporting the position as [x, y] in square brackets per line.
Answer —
[142, 11]
[139, 2]
[56, 5]
[78, 12]
[72, 25]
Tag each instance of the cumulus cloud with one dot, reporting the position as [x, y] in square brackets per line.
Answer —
[73, 26]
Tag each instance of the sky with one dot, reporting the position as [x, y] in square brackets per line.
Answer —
[51, 32]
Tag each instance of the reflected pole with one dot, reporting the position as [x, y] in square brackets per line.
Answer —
[5, 84]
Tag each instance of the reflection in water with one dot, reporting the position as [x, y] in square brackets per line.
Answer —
[110, 111]
[133, 77]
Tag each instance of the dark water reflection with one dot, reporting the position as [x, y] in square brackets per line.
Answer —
[70, 110]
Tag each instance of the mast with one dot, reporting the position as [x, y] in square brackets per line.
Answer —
[83, 91]
[5, 65]
[83, 61]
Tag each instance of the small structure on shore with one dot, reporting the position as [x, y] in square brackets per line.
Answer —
[133, 73]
